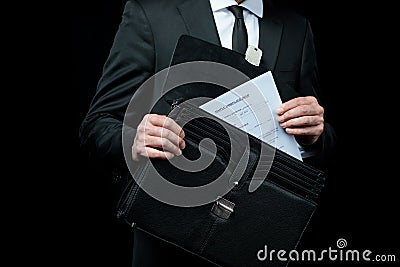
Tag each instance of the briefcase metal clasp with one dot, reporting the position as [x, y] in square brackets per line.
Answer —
[223, 208]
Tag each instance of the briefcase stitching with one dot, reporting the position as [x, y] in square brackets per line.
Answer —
[247, 172]
[226, 154]
[210, 233]
[305, 197]
[284, 179]
[134, 191]
[303, 166]
[312, 182]
[287, 171]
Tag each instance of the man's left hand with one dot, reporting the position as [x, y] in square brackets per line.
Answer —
[302, 117]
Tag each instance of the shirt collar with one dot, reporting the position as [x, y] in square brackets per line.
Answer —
[254, 6]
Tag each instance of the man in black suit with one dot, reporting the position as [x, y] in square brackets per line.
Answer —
[144, 45]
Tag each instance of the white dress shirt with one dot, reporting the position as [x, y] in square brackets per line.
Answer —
[225, 20]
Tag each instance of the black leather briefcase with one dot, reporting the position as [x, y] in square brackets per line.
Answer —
[237, 227]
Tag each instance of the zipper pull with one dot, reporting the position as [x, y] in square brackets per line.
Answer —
[174, 103]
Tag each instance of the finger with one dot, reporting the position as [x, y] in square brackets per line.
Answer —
[298, 101]
[165, 122]
[311, 130]
[303, 122]
[157, 131]
[164, 143]
[182, 144]
[150, 152]
[299, 111]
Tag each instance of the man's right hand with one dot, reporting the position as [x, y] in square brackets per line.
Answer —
[158, 136]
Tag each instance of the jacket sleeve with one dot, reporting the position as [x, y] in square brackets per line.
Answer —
[308, 83]
[130, 63]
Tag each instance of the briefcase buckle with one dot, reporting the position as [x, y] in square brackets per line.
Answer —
[223, 208]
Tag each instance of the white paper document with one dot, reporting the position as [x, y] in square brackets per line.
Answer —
[252, 107]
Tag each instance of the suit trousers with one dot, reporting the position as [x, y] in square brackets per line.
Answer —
[149, 251]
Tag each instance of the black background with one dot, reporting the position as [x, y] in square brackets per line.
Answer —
[359, 200]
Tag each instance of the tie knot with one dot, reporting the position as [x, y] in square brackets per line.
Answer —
[237, 11]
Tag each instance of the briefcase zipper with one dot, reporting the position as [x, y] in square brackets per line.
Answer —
[173, 103]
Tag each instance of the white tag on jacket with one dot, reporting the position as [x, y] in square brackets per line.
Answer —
[253, 55]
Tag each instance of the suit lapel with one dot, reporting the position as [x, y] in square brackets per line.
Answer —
[199, 20]
[270, 39]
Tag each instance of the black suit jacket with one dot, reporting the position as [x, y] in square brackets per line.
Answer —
[144, 45]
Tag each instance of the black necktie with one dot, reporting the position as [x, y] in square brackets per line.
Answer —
[239, 36]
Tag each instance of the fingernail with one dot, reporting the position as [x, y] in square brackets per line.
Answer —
[283, 125]
[279, 110]
[179, 152]
[182, 145]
